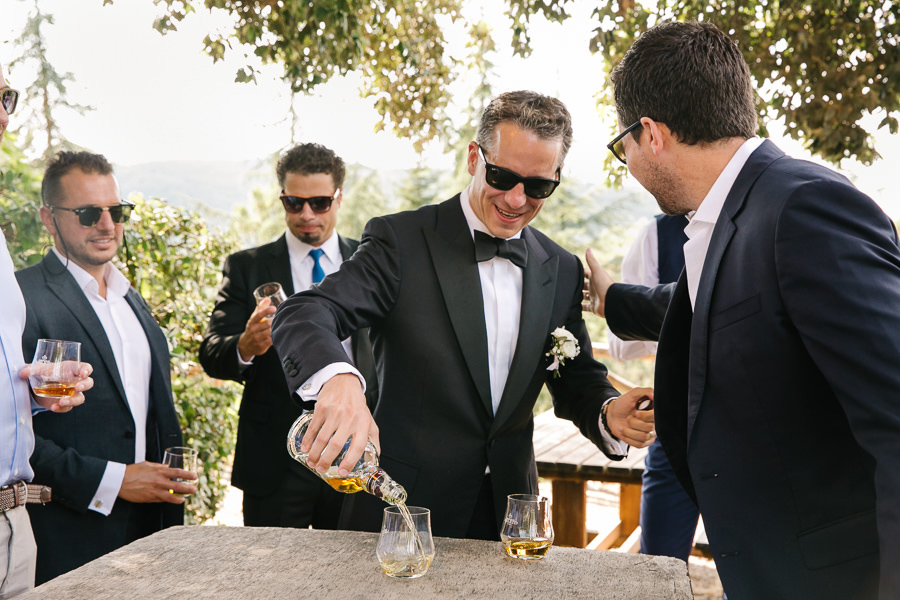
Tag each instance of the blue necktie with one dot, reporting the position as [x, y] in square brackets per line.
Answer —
[317, 273]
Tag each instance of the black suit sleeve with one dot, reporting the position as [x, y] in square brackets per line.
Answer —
[218, 351]
[582, 387]
[636, 312]
[308, 327]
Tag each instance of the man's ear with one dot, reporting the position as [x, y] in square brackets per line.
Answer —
[660, 136]
[472, 158]
[47, 220]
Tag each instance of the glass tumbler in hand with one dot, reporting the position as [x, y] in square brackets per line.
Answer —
[273, 291]
[180, 457]
[55, 368]
[527, 531]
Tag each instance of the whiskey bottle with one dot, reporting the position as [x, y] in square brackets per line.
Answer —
[366, 476]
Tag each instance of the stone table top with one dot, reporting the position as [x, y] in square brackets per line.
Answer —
[186, 563]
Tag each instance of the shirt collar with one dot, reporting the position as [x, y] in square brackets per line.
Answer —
[473, 221]
[116, 283]
[711, 206]
[331, 247]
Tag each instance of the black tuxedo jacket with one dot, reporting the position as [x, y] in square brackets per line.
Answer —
[266, 412]
[415, 282]
[778, 397]
[72, 449]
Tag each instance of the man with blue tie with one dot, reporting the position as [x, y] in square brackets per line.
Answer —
[279, 492]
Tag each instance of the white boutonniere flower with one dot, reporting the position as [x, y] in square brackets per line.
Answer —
[563, 346]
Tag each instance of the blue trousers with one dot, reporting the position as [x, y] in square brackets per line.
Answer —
[668, 515]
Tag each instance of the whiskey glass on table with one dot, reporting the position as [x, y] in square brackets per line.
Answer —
[405, 547]
[527, 531]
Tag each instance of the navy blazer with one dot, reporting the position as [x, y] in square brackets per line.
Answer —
[267, 412]
[415, 282]
[72, 449]
[778, 395]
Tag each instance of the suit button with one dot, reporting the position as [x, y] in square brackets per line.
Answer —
[293, 372]
[128, 435]
[706, 476]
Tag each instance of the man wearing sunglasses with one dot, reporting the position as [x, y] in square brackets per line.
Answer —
[279, 492]
[461, 299]
[109, 488]
[778, 365]
[17, 545]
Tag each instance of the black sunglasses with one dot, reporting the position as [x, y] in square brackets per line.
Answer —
[617, 147]
[88, 216]
[318, 204]
[505, 180]
[9, 98]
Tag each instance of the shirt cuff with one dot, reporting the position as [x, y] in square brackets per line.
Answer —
[108, 490]
[243, 364]
[611, 444]
[309, 391]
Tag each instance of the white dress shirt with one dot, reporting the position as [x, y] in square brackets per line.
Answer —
[16, 405]
[501, 292]
[302, 266]
[131, 351]
[702, 222]
[640, 266]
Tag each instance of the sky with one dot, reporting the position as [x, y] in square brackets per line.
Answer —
[159, 98]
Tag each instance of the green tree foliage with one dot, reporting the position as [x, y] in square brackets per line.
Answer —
[20, 201]
[419, 187]
[398, 47]
[48, 93]
[175, 261]
[821, 67]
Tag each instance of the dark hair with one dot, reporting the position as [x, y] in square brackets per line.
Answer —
[542, 115]
[690, 76]
[61, 164]
[308, 159]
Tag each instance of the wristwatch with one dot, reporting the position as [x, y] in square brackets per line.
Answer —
[603, 420]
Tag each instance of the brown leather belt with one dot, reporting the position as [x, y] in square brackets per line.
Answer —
[19, 493]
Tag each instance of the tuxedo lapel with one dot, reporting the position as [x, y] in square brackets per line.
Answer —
[280, 266]
[61, 283]
[453, 255]
[725, 229]
[538, 291]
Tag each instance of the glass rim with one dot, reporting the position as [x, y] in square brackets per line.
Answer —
[537, 498]
[413, 510]
[53, 341]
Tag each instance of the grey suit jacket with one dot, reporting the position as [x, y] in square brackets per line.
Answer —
[72, 449]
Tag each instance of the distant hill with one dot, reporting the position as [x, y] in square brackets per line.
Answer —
[210, 187]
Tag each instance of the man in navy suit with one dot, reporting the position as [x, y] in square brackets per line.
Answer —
[102, 461]
[778, 366]
[462, 299]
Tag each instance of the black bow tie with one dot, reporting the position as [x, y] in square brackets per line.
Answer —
[487, 247]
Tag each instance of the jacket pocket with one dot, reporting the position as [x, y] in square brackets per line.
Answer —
[839, 541]
[735, 313]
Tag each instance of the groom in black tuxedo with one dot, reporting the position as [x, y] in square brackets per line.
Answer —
[461, 299]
